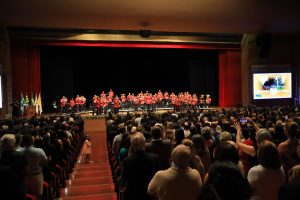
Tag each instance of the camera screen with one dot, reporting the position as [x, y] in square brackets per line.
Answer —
[243, 120]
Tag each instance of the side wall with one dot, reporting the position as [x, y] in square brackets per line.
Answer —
[284, 50]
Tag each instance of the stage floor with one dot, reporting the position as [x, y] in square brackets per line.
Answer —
[89, 113]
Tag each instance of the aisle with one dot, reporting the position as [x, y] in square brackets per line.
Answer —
[92, 181]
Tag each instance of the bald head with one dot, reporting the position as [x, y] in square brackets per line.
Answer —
[138, 142]
[181, 156]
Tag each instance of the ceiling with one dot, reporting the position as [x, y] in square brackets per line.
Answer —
[185, 16]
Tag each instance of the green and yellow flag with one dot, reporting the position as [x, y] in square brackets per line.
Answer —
[22, 103]
[26, 101]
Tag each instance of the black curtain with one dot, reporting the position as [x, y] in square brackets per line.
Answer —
[90, 70]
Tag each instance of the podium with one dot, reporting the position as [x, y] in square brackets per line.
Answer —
[29, 111]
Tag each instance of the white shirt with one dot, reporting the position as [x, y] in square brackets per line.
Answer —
[265, 182]
[36, 158]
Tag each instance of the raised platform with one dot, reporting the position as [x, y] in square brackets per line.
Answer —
[164, 109]
[89, 113]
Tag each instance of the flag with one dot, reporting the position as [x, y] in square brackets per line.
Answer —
[22, 102]
[32, 100]
[40, 104]
[26, 101]
[36, 104]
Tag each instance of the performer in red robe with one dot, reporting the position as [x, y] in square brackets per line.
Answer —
[95, 110]
[77, 102]
[103, 94]
[116, 104]
[111, 93]
[194, 102]
[136, 103]
[82, 102]
[63, 104]
[148, 99]
[72, 105]
[98, 105]
[160, 98]
[208, 100]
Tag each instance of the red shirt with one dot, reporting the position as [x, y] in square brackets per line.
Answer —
[95, 99]
[116, 103]
[63, 102]
[72, 103]
[111, 93]
[77, 100]
[98, 103]
[148, 99]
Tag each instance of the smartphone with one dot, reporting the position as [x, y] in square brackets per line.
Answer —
[243, 120]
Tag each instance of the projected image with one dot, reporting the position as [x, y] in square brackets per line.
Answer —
[272, 85]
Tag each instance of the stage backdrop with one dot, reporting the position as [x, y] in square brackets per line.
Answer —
[67, 71]
[90, 70]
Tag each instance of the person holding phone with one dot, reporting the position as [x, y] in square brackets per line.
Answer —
[261, 135]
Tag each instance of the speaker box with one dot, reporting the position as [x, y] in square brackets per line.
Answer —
[264, 41]
[145, 33]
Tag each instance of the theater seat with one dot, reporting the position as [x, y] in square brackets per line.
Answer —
[46, 191]
[30, 197]
[55, 183]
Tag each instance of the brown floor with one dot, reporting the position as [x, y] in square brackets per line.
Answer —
[92, 181]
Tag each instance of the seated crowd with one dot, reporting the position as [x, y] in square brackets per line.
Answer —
[206, 154]
[37, 155]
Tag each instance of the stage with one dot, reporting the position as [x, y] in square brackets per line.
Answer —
[161, 110]
[89, 113]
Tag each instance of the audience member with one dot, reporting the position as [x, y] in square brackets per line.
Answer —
[202, 150]
[179, 181]
[138, 169]
[291, 190]
[288, 149]
[12, 169]
[268, 176]
[160, 147]
[225, 182]
[36, 159]
[195, 162]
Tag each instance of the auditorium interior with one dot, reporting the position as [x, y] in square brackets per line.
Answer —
[212, 47]
[243, 55]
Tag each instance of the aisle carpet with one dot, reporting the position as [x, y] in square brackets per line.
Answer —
[92, 181]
